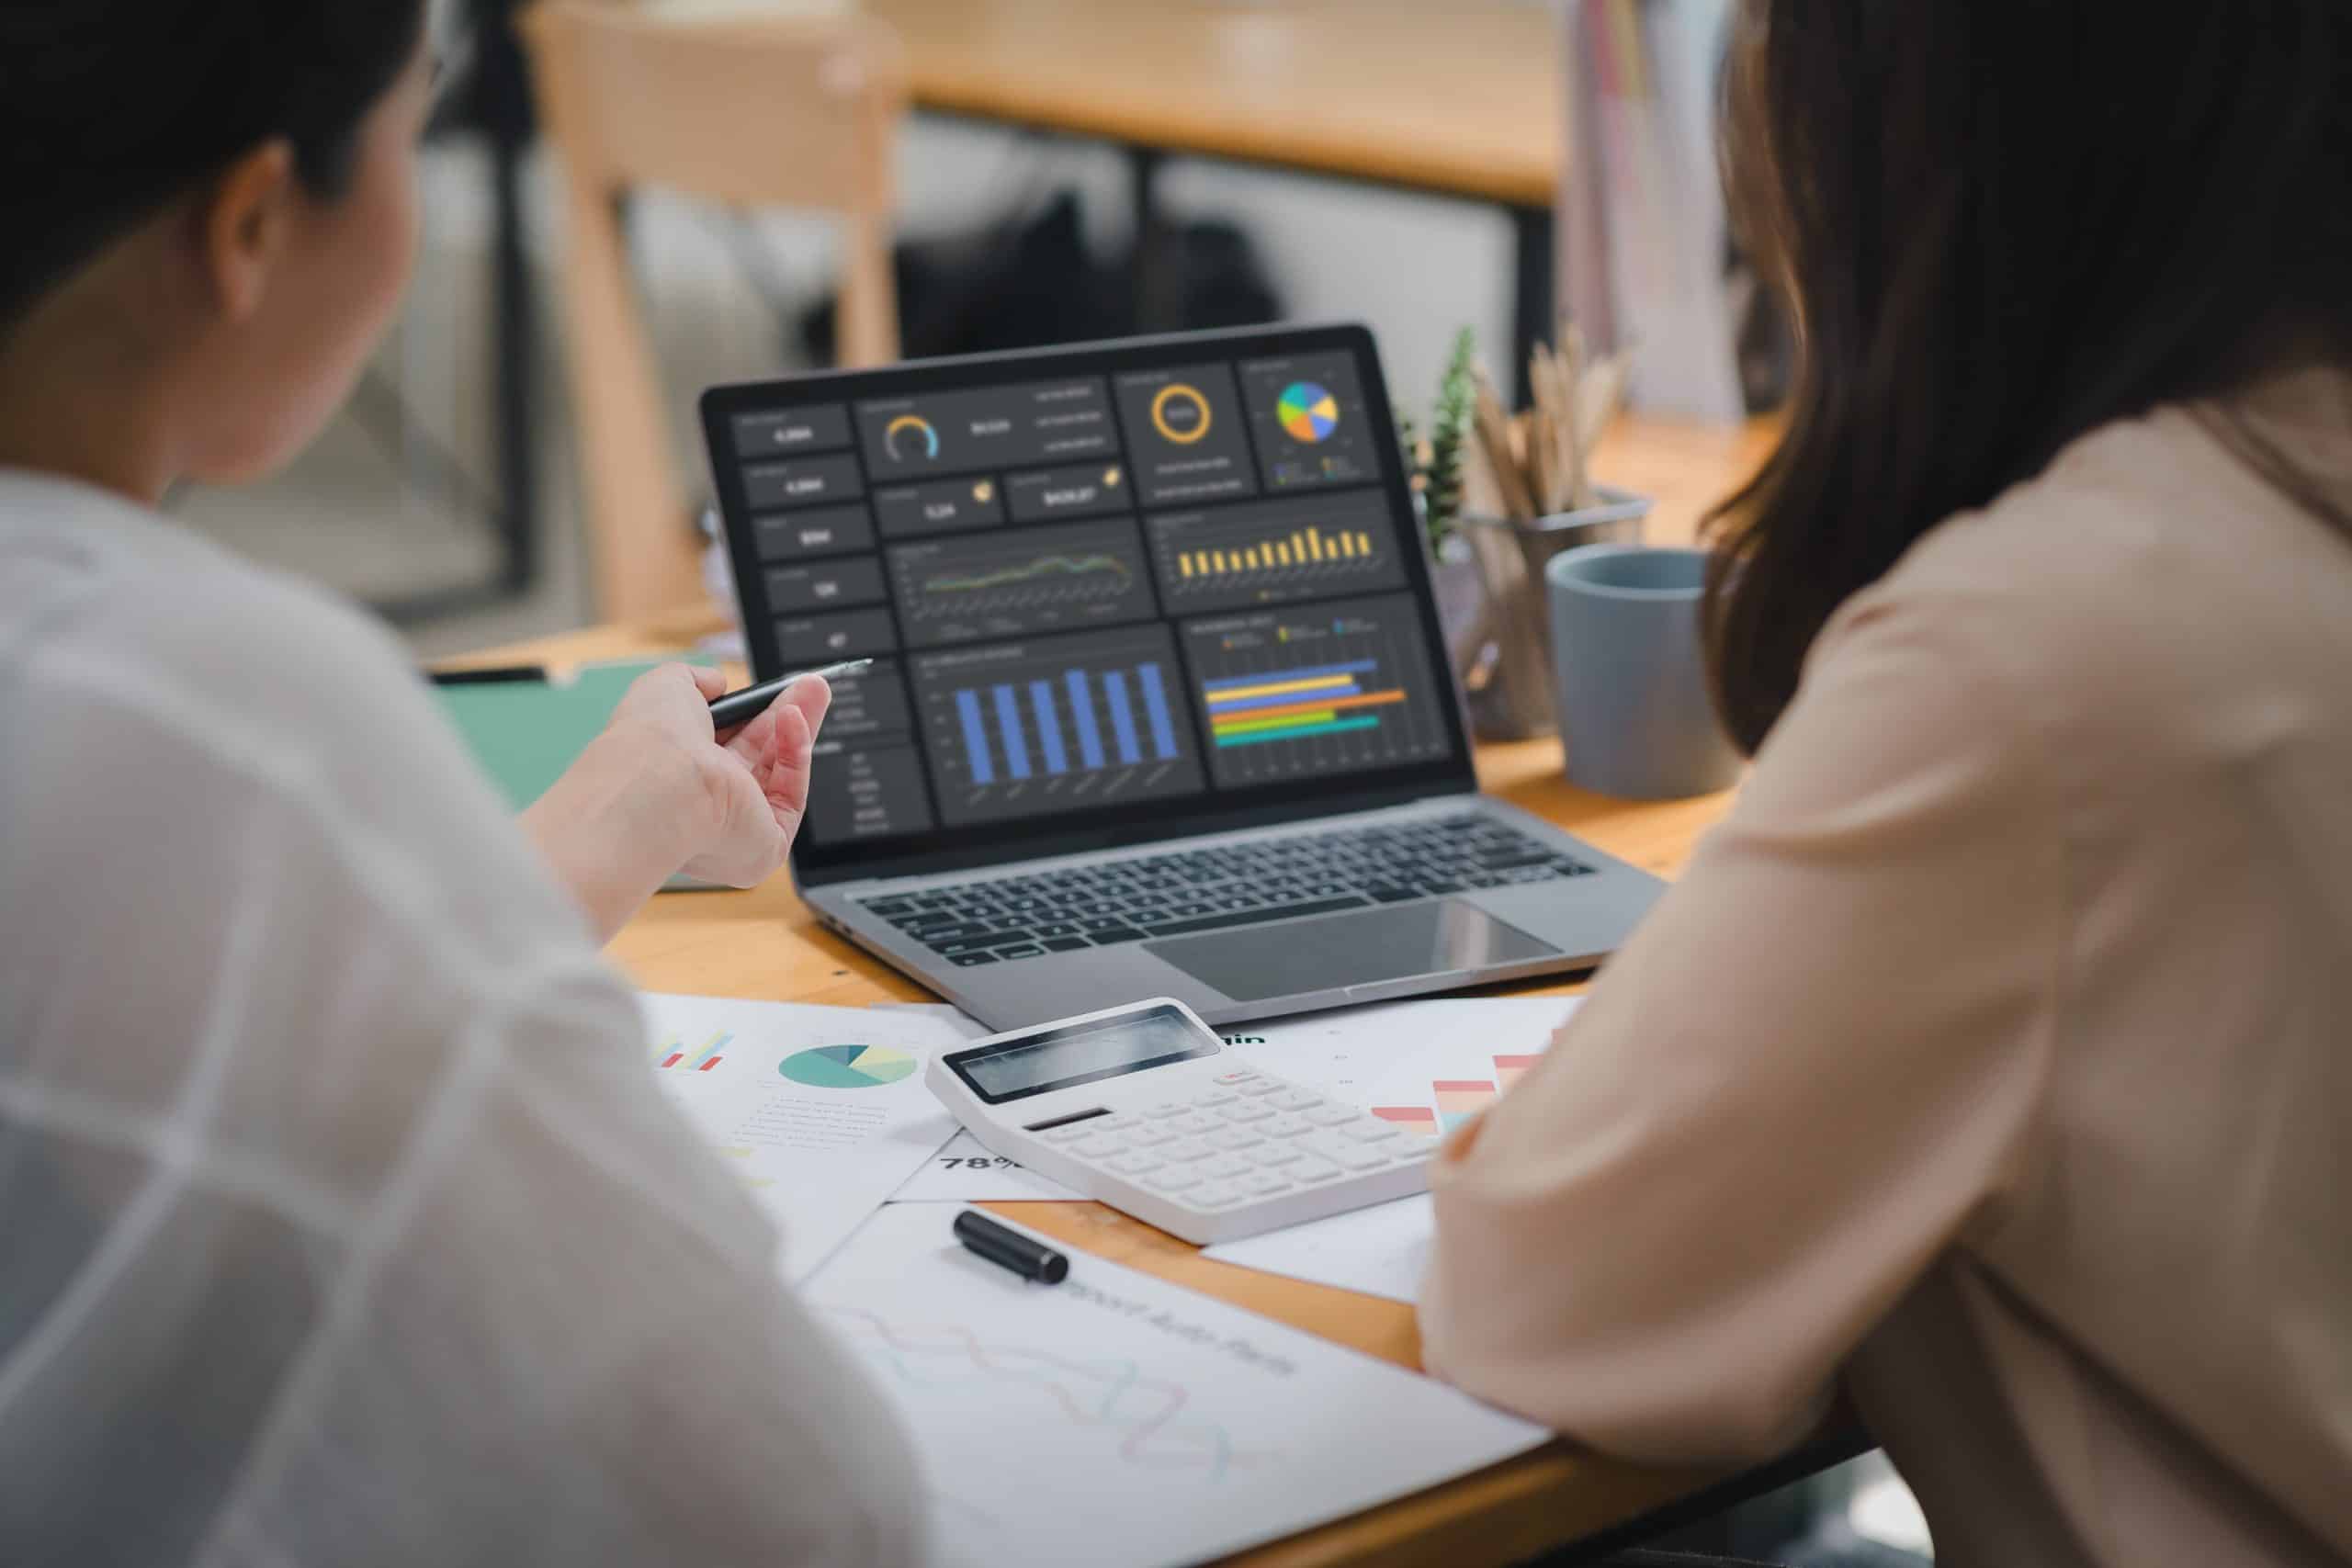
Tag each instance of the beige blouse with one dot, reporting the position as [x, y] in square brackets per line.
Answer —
[1996, 1052]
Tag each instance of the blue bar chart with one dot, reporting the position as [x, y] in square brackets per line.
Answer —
[1056, 724]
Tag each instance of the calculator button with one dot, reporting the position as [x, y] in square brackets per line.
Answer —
[1134, 1163]
[1228, 1165]
[1331, 1115]
[1099, 1148]
[1213, 1195]
[1173, 1178]
[1231, 1138]
[1295, 1099]
[1228, 1079]
[1119, 1123]
[1259, 1087]
[1247, 1110]
[1355, 1157]
[1150, 1137]
[1215, 1097]
[1186, 1149]
[1311, 1170]
[1068, 1134]
[1288, 1127]
[1194, 1122]
[1165, 1108]
[1261, 1183]
[1276, 1154]
[1367, 1131]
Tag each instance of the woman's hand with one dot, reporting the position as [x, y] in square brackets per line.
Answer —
[754, 780]
[659, 793]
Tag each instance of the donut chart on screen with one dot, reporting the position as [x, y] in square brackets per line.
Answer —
[1309, 414]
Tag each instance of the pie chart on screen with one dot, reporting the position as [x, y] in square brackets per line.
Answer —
[847, 1067]
[1308, 412]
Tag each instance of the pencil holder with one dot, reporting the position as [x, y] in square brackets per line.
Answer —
[1504, 664]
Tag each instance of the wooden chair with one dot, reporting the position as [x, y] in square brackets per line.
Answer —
[751, 111]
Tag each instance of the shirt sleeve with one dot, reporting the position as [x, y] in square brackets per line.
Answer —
[1810, 1070]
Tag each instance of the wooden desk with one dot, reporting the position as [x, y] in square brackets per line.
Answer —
[1458, 99]
[766, 945]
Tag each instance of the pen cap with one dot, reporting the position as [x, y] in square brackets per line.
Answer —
[1029, 1259]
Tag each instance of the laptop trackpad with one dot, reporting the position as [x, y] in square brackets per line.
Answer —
[1253, 963]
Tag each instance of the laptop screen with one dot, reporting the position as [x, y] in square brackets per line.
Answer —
[1116, 594]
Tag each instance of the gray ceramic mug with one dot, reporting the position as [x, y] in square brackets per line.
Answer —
[1634, 713]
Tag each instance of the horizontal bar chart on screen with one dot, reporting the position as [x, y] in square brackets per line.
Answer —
[1289, 692]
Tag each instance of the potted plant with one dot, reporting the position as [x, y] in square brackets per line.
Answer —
[1434, 468]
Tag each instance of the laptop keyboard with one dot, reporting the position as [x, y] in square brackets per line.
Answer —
[1212, 890]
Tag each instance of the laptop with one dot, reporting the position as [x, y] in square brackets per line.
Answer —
[1161, 706]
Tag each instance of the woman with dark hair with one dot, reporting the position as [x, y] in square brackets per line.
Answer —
[340, 1226]
[1994, 1058]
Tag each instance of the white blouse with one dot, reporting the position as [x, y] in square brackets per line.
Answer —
[337, 1222]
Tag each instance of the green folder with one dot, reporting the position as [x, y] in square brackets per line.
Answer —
[524, 733]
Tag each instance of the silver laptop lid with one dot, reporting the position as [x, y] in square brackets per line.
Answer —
[1118, 592]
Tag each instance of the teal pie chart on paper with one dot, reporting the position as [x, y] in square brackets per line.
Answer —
[847, 1067]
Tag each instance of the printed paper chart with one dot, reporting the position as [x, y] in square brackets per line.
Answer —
[1116, 1421]
[821, 1112]
[1452, 1101]
[1429, 1066]
[847, 1067]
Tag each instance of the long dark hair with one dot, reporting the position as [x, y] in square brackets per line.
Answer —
[1999, 227]
[109, 109]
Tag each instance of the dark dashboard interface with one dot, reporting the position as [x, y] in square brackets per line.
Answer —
[1102, 590]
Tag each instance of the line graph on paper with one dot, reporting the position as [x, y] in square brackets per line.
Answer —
[1144, 1421]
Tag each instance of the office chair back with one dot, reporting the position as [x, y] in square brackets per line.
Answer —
[747, 111]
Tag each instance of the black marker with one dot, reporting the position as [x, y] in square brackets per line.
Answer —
[743, 707]
[1001, 1243]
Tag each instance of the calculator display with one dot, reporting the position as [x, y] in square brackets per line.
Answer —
[1079, 1054]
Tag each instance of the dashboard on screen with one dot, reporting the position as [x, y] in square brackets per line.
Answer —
[1098, 586]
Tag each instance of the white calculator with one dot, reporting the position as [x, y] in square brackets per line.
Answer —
[1144, 1109]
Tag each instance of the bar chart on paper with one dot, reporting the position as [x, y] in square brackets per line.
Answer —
[1056, 724]
[1319, 690]
[674, 1052]
[1277, 552]
[1452, 1102]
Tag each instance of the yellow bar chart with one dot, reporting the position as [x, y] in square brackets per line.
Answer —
[1302, 547]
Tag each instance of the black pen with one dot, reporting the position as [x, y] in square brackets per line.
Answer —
[497, 676]
[741, 707]
[1026, 1257]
